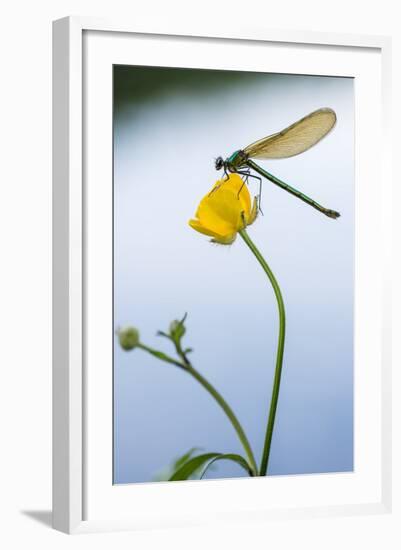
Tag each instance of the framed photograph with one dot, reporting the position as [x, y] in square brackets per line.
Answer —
[221, 264]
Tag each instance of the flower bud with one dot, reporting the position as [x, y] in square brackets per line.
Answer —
[128, 338]
[177, 329]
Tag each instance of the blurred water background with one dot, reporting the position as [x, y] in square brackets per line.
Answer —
[169, 124]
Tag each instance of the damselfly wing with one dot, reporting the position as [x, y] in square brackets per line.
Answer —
[293, 140]
[296, 138]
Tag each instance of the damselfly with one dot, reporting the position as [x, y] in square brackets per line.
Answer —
[297, 138]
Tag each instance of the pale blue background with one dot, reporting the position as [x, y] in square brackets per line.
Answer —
[169, 126]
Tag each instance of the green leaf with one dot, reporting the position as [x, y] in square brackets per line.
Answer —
[198, 461]
[168, 471]
[193, 464]
[161, 333]
[235, 458]
[184, 458]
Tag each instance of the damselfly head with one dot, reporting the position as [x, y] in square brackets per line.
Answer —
[219, 163]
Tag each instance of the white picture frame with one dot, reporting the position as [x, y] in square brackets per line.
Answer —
[83, 44]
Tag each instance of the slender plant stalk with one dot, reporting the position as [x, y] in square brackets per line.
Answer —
[161, 355]
[279, 357]
[187, 366]
[230, 414]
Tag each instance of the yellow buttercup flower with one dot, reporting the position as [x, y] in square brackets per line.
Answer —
[225, 210]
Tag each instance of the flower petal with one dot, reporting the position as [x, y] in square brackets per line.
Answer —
[254, 212]
[221, 239]
[229, 239]
[195, 224]
[237, 185]
[219, 231]
[220, 211]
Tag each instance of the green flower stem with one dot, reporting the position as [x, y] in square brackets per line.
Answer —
[161, 355]
[186, 365]
[230, 414]
[279, 357]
